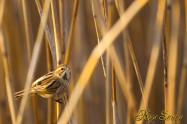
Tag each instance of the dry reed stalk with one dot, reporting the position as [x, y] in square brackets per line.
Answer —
[107, 89]
[65, 103]
[182, 83]
[167, 38]
[128, 94]
[184, 69]
[57, 44]
[47, 31]
[57, 41]
[135, 63]
[62, 23]
[104, 9]
[120, 8]
[62, 16]
[4, 54]
[109, 22]
[165, 61]
[110, 10]
[56, 31]
[172, 56]
[126, 39]
[108, 65]
[29, 40]
[34, 61]
[99, 37]
[109, 38]
[2, 6]
[28, 28]
[1, 118]
[70, 36]
[128, 71]
[128, 118]
[114, 100]
[8, 78]
[158, 29]
[49, 69]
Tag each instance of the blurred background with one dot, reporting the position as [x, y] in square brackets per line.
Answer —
[155, 37]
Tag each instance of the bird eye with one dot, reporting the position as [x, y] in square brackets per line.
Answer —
[62, 68]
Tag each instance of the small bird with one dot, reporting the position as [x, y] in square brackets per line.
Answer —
[51, 85]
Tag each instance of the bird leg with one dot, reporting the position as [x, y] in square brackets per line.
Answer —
[58, 100]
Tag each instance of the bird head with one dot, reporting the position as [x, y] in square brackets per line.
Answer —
[63, 71]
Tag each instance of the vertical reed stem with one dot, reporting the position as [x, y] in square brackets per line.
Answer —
[74, 15]
[165, 56]
[8, 78]
[114, 102]
[49, 69]
[29, 40]
[172, 57]
[47, 32]
[184, 68]
[62, 23]
[57, 41]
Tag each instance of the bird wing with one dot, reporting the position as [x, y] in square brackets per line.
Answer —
[47, 86]
[54, 85]
[43, 80]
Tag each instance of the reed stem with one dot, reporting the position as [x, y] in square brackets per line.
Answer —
[70, 36]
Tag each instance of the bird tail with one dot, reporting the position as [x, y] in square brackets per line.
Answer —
[19, 94]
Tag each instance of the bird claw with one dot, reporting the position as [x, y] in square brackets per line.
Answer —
[59, 101]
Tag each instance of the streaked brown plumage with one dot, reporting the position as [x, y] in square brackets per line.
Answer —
[51, 85]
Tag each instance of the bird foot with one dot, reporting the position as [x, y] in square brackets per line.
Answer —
[59, 101]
